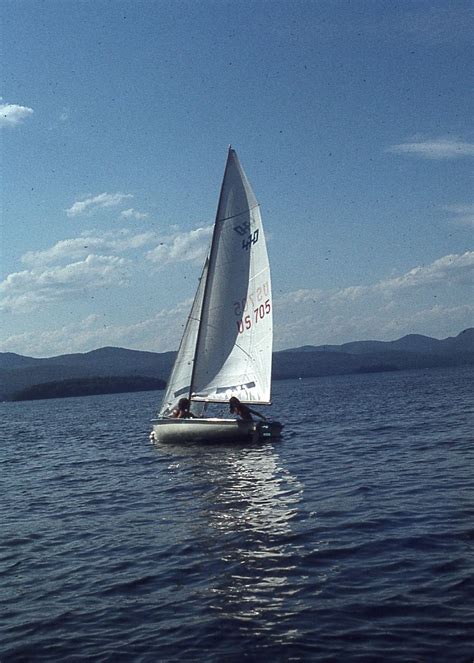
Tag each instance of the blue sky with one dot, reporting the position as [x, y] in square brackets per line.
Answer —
[351, 119]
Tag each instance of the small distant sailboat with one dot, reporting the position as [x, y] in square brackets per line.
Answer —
[226, 348]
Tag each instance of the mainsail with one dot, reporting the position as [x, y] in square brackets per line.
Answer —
[227, 345]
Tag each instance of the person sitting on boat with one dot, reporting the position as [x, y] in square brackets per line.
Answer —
[182, 411]
[242, 411]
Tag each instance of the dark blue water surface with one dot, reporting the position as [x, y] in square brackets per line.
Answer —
[351, 539]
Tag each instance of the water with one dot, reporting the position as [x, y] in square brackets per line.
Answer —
[351, 539]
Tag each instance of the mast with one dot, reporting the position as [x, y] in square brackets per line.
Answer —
[206, 286]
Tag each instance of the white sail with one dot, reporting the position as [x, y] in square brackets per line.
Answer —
[234, 342]
[179, 383]
[226, 348]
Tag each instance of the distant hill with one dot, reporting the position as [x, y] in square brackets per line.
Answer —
[410, 352]
[18, 372]
[464, 342]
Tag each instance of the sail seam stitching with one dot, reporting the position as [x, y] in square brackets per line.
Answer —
[234, 216]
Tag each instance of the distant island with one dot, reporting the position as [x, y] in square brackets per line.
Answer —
[88, 387]
[112, 370]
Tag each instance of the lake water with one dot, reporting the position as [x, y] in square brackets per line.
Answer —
[350, 539]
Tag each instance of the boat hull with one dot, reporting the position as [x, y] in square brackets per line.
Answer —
[213, 430]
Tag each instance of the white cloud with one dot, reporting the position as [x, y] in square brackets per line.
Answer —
[103, 200]
[58, 340]
[127, 241]
[182, 247]
[11, 114]
[160, 333]
[461, 214]
[454, 268]
[79, 247]
[94, 332]
[370, 320]
[450, 269]
[426, 299]
[432, 299]
[316, 327]
[436, 149]
[66, 249]
[133, 214]
[29, 289]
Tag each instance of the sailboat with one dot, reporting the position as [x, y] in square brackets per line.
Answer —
[226, 348]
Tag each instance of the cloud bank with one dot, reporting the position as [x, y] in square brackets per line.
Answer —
[429, 299]
[73, 266]
[78, 247]
[433, 296]
[27, 290]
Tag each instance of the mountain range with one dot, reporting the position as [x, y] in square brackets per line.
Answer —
[18, 372]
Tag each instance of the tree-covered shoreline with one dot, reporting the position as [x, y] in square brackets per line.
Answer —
[88, 387]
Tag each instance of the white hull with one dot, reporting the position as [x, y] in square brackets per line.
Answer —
[212, 430]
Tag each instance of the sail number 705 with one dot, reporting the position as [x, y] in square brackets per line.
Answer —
[258, 314]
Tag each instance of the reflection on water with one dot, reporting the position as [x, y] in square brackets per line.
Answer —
[257, 495]
[250, 502]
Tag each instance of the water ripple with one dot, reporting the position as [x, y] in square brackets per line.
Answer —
[349, 540]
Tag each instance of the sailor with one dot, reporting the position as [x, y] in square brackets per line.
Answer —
[182, 411]
[242, 411]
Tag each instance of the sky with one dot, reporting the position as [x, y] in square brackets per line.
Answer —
[352, 120]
